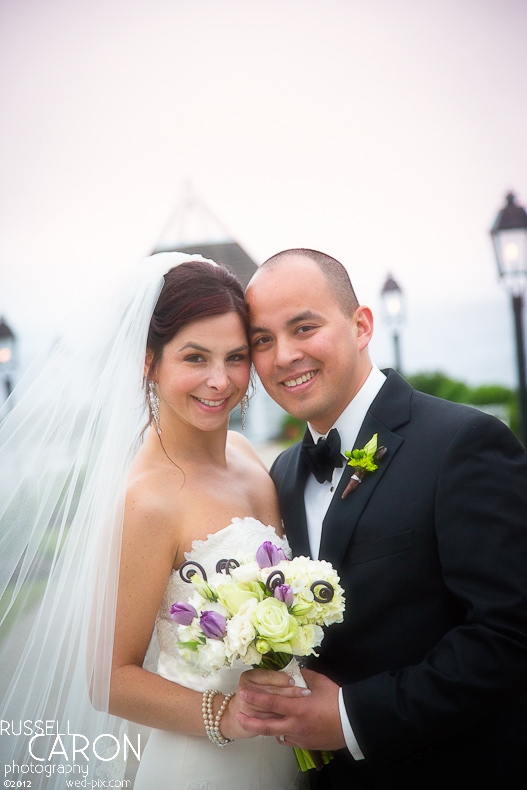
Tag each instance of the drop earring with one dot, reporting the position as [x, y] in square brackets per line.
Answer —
[153, 399]
[244, 405]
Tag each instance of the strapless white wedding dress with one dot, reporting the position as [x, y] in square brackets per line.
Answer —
[173, 761]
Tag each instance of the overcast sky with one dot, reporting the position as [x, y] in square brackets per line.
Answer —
[385, 133]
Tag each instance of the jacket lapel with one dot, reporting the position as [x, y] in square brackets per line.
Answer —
[390, 409]
[290, 475]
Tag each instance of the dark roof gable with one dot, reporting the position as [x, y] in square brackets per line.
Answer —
[229, 253]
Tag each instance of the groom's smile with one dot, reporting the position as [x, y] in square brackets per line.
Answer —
[296, 382]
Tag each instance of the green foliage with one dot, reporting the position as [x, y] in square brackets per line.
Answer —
[442, 386]
[292, 429]
[492, 393]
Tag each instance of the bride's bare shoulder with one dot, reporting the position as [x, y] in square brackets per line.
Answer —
[243, 449]
[151, 494]
[254, 480]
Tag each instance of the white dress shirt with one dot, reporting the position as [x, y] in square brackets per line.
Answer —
[317, 496]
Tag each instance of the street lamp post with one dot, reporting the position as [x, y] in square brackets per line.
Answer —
[509, 236]
[7, 354]
[392, 300]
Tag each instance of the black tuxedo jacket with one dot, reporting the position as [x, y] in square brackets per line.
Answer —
[432, 552]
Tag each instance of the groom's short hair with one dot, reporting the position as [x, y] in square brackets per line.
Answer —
[336, 275]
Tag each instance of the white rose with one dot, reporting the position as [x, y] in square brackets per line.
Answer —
[274, 624]
[234, 596]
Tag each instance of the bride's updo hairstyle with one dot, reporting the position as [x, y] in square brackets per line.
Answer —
[193, 290]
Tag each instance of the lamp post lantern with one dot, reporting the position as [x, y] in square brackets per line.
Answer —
[392, 301]
[509, 236]
[7, 354]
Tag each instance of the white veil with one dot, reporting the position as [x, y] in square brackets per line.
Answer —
[65, 451]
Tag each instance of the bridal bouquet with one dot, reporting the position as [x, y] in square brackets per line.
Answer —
[262, 609]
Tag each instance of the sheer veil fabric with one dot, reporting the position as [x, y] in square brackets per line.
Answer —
[66, 447]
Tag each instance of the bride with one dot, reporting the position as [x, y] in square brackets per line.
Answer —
[101, 513]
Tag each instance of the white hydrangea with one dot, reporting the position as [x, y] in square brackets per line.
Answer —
[300, 573]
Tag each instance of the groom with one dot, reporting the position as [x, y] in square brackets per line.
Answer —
[426, 678]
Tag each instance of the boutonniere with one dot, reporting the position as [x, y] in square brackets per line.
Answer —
[362, 462]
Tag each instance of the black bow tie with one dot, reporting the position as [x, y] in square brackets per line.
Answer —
[324, 456]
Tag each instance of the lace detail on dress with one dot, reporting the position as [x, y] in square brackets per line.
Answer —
[201, 784]
[239, 540]
[254, 533]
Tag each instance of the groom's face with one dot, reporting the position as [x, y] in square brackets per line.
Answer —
[311, 357]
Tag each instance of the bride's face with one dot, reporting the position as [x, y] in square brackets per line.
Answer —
[203, 372]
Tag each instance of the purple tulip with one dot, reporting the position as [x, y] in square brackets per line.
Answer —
[213, 624]
[268, 555]
[182, 613]
[284, 593]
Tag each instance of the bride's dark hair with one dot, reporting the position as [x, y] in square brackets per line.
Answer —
[193, 290]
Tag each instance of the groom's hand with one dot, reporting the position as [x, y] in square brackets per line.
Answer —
[309, 721]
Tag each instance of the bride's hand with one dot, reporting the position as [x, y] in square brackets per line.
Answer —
[271, 682]
[229, 725]
[268, 682]
[264, 680]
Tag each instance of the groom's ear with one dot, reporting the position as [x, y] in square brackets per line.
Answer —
[363, 317]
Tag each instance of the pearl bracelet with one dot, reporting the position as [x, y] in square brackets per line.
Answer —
[212, 725]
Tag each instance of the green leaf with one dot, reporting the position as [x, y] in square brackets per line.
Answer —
[189, 645]
[370, 448]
